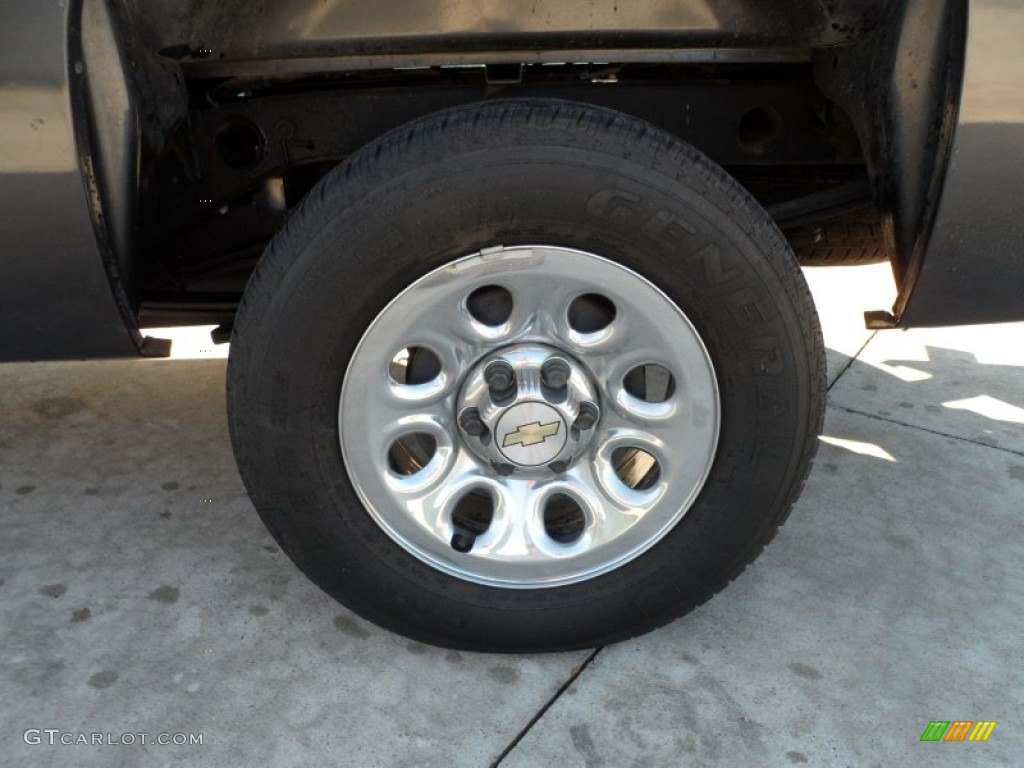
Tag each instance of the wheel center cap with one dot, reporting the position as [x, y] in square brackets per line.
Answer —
[531, 434]
[528, 407]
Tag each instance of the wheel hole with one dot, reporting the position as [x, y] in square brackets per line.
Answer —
[636, 468]
[414, 365]
[411, 453]
[471, 518]
[490, 305]
[591, 313]
[564, 520]
[651, 383]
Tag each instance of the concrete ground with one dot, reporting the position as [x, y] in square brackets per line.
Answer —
[139, 592]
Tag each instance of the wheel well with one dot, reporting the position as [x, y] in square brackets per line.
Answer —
[252, 146]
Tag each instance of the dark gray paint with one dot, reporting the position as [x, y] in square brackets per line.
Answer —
[974, 264]
[55, 297]
[113, 130]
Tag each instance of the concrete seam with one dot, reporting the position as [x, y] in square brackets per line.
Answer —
[849, 362]
[547, 705]
[926, 429]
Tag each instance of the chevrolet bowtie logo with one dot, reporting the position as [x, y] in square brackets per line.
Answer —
[531, 434]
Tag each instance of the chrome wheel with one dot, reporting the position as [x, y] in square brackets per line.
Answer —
[529, 417]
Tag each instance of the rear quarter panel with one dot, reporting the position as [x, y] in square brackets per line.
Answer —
[55, 296]
[974, 265]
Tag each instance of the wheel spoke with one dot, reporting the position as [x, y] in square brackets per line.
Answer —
[659, 423]
[608, 518]
[431, 506]
[539, 307]
[385, 420]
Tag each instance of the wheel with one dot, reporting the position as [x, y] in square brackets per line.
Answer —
[848, 240]
[525, 376]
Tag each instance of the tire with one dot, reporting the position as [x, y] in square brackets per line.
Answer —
[853, 239]
[546, 201]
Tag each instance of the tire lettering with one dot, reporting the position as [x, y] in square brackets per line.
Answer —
[613, 205]
[710, 259]
[769, 361]
[769, 407]
[745, 308]
[623, 207]
[664, 224]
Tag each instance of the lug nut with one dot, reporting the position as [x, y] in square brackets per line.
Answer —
[555, 373]
[471, 422]
[502, 469]
[501, 380]
[558, 467]
[587, 417]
